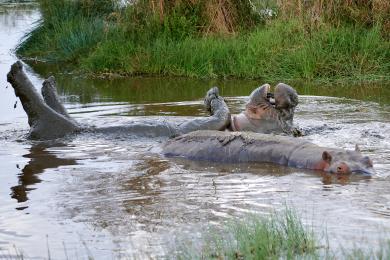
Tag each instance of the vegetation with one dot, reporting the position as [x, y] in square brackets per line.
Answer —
[279, 236]
[283, 39]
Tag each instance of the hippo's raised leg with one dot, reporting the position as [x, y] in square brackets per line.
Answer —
[49, 119]
[218, 120]
[286, 99]
[219, 117]
[45, 123]
[50, 95]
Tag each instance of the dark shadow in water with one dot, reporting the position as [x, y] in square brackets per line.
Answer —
[40, 159]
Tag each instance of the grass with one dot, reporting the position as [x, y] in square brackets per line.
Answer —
[132, 41]
[281, 235]
[279, 51]
[278, 236]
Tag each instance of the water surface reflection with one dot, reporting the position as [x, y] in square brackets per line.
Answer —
[40, 159]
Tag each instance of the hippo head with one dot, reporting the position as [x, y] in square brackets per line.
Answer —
[285, 96]
[259, 96]
[347, 162]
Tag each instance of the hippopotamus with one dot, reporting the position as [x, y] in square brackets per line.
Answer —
[222, 137]
[247, 147]
[49, 119]
[263, 116]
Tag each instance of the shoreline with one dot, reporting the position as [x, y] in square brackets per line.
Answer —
[73, 70]
[101, 41]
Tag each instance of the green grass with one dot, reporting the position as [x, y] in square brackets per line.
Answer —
[274, 237]
[279, 51]
[128, 43]
[69, 41]
[281, 235]
[278, 236]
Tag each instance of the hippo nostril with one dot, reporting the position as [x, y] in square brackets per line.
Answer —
[339, 169]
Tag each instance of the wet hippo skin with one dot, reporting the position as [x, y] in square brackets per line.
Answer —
[48, 119]
[44, 121]
[237, 147]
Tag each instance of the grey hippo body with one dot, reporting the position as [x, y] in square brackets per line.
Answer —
[48, 119]
[243, 147]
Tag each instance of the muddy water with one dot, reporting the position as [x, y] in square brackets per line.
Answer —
[110, 196]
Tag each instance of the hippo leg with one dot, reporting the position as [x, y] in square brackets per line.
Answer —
[50, 95]
[286, 99]
[45, 123]
[49, 119]
[219, 118]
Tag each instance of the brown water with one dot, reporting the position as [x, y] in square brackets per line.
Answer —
[117, 196]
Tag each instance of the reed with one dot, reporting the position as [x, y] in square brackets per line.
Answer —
[315, 13]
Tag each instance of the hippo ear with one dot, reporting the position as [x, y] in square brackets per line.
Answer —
[326, 156]
[357, 148]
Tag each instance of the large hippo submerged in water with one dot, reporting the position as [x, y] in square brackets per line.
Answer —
[49, 119]
[239, 147]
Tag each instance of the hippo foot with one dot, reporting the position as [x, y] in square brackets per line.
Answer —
[47, 120]
[213, 93]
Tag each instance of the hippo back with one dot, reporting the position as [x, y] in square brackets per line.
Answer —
[233, 147]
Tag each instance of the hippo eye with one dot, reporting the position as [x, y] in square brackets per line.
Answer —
[339, 169]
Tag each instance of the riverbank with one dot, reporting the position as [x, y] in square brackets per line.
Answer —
[114, 41]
